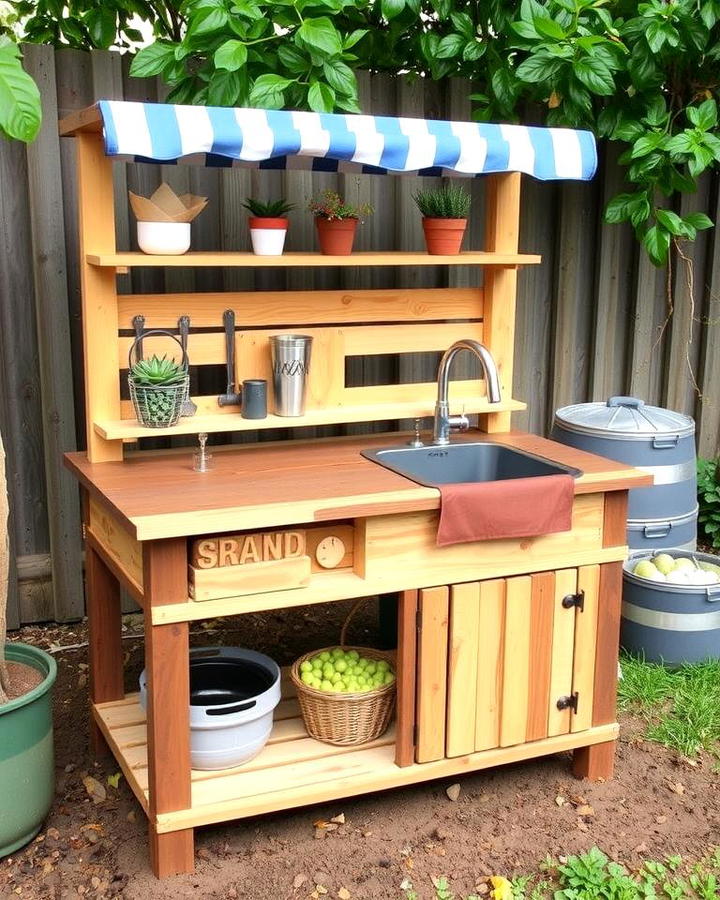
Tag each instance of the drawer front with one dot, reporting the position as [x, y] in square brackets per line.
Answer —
[505, 661]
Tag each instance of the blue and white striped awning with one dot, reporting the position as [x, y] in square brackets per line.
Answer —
[325, 142]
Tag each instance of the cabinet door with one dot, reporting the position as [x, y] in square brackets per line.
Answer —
[505, 661]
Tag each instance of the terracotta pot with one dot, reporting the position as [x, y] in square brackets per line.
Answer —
[336, 236]
[268, 235]
[444, 236]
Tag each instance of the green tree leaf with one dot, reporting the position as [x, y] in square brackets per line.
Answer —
[538, 67]
[151, 60]
[657, 243]
[320, 35]
[595, 75]
[698, 220]
[207, 20]
[20, 113]
[451, 45]
[268, 91]
[392, 8]
[231, 55]
[340, 77]
[321, 97]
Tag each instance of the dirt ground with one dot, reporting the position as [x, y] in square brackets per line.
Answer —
[504, 821]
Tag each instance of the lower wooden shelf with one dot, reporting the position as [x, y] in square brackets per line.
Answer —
[131, 430]
[295, 770]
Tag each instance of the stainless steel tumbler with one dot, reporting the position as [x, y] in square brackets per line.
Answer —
[291, 367]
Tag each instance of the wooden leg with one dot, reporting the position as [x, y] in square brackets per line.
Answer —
[168, 706]
[105, 651]
[173, 853]
[406, 662]
[596, 762]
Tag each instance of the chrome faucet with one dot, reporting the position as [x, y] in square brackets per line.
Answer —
[444, 422]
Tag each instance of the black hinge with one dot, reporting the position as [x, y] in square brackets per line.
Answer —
[576, 600]
[415, 735]
[570, 702]
[418, 620]
[84, 531]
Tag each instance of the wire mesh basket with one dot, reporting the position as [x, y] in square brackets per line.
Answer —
[158, 406]
[345, 719]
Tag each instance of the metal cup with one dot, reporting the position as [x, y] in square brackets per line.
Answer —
[291, 367]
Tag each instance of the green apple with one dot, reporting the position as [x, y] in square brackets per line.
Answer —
[306, 666]
[383, 665]
[325, 656]
[326, 685]
[664, 563]
[353, 655]
[645, 569]
[389, 678]
[307, 678]
[684, 563]
[337, 653]
[340, 665]
[710, 567]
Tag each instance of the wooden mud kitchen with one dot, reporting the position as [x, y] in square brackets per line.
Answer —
[507, 648]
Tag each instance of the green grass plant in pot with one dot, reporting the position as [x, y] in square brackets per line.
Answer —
[268, 225]
[158, 387]
[336, 222]
[27, 674]
[445, 213]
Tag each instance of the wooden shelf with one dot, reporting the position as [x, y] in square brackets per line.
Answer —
[130, 429]
[312, 260]
[295, 770]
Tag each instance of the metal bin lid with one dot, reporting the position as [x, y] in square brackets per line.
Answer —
[625, 418]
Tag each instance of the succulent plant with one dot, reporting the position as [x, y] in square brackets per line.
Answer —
[449, 202]
[272, 209]
[156, 372]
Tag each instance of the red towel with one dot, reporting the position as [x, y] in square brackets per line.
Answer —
[514, 507]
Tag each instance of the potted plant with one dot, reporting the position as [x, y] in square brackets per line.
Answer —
[336, 222]
[268, 225]
[445, 211]
[27, 674]
[158, 387]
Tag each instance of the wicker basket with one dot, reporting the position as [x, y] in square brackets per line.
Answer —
[158, 406]
[345, 719]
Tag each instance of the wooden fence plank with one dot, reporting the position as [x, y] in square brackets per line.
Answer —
[51, 305]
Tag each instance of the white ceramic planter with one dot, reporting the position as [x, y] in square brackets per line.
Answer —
[268, 236]
[163, 238]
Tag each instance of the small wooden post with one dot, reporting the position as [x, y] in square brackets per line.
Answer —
[502, 232]
[105, 647]
[406, 680]
[168, 704]
[598, 761]
[99, 293]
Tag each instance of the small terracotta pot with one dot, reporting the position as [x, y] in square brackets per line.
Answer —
[268, 235]
[444, 236]
[336, 236]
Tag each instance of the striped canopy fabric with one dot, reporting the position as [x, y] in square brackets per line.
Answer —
[325, 142]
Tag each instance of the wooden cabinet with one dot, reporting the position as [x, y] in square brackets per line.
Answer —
[505, 661]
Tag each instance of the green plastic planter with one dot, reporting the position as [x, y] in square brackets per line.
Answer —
[27, 766]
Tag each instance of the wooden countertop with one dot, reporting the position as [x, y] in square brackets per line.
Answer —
[158, 495]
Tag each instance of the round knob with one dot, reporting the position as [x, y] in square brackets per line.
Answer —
[330, 552]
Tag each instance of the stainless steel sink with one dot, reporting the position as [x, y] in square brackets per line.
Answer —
[464, 462]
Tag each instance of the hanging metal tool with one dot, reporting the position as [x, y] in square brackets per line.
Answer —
[138, 324]
[189, 408]
[230, 397]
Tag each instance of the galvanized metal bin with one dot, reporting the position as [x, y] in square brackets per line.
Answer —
[658, 441]
[670, 623]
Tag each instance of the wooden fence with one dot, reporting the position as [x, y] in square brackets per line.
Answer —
[593, 319]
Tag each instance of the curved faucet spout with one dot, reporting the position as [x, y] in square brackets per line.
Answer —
[444, 422]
